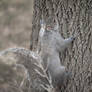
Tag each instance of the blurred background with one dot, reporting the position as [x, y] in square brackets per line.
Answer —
[15, 23]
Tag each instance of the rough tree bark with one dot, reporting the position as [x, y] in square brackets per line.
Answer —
[74, 16]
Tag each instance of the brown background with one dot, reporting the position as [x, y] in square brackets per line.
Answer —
[15, 23]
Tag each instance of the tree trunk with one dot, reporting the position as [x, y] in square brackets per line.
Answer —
[74, 16]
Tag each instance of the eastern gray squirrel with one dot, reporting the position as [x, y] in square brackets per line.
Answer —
[51, 43]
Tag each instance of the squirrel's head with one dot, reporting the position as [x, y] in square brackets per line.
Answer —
[52, 24]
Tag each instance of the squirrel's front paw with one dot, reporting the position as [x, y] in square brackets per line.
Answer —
[72, 38]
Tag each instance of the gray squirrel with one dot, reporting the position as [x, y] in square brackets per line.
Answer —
[51, 43]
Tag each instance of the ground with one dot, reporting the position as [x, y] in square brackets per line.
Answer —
[15, 23]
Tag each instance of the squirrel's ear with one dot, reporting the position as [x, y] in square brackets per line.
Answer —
[56, 25]
[42, 22]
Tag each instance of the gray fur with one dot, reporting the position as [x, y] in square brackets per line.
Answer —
[51, 44]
